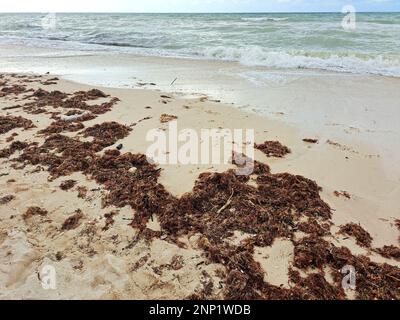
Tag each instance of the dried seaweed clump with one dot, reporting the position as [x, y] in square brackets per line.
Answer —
[34, 211]
[8, 123]
[139, 189]
[107, 133]
[75, 155]
[6, 199]
[390, 252]
[164, 118]
[76, 101]
[374, 281]
[311, 252]
[313, 287]
[62, 126]
[15, 146]
[12, 137]
[109, 220]
[67, 185]
[312, 226]
[245, 278]
[92, 94]
[222, 203]
[73, 221]
[362, 237]
[14, 89]
[273, 149]
[269, 211]
[45, 98]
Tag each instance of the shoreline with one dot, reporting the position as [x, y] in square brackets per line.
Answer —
[93, 52]
[334, 166]
[355, 109]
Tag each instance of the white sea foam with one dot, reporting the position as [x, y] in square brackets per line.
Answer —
[265, 19]
[257, 56]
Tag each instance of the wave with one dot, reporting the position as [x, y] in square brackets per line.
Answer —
[255, 55]
[341, 62]
[264, 19]
[390, 22]
[118, 44]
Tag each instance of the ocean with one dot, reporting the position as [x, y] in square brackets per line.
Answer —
[287, 41]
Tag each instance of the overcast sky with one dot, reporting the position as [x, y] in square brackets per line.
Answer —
[194, 5]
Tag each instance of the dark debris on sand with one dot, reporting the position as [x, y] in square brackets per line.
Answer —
[73, 221]
[62, 126]
[75, 101]
[390, 252]
[109, 220]
[219, 204]
[50, 81]
[344, 194]
[269, 211]
[313, 287]
[278, 206]
[397, 223]
[82, 192]
[164, 118]
[8, 123]
[106, 134]
[75, 155]
[13, 89]
[6, 199]
[273, 149]
[374, 281]
[67, 185]
[314, 227]
[362, 236]
[312, 141]
[15, 146]
[311, 251]
[12, 137]
[34, 211]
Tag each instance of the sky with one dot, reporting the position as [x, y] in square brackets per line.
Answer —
[196, 5]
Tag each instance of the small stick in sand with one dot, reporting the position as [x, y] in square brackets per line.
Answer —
[226, 204]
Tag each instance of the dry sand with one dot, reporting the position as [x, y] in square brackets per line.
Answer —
[95, 264]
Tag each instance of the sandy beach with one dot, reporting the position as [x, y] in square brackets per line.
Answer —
[115, 226]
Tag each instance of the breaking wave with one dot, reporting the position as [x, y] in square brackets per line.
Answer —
[388, 65]
[265, 19]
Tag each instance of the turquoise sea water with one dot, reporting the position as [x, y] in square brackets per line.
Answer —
[310, 41]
